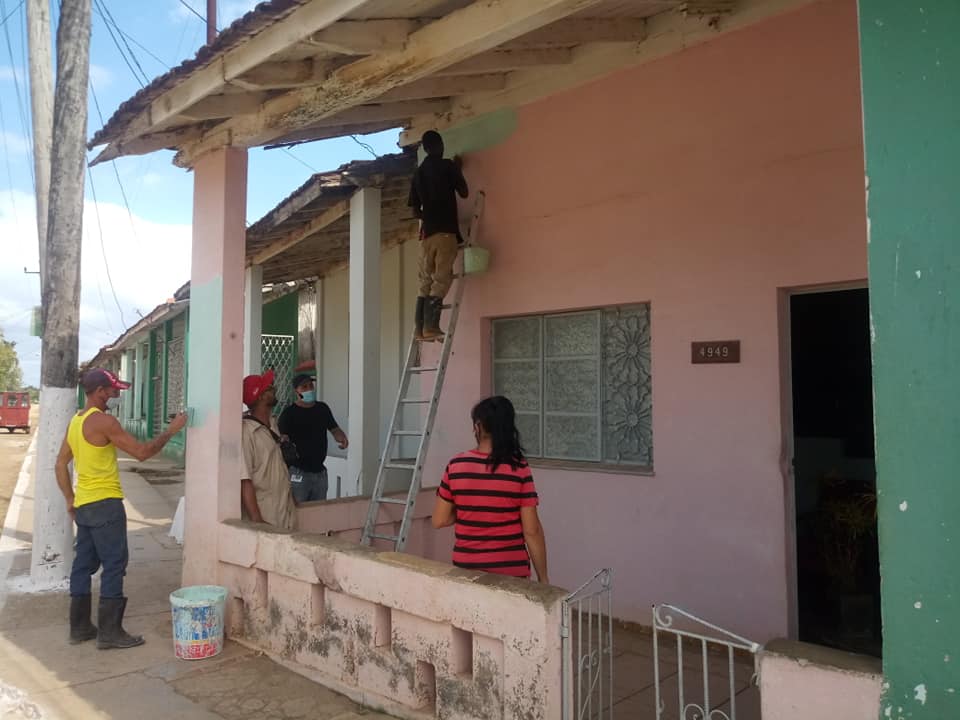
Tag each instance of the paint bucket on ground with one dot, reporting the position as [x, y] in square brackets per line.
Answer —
[475, 259]
[198, 620]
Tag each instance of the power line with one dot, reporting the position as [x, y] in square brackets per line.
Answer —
[191, 9]
[142, 77]
[6, 158]
[10, 14]
[103, 249]
[24, 125]
[139, 45]
[365, 146]
[300, 160]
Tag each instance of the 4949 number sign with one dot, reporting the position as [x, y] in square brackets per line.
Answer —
[717, 351]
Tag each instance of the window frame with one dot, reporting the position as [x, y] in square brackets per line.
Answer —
[602, 464]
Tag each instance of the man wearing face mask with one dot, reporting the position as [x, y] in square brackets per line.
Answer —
[92, 439]
[307, 422]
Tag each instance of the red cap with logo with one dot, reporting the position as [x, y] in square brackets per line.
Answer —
[96, 378]
[254, 385]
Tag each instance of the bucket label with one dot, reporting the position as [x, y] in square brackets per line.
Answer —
[197, 631]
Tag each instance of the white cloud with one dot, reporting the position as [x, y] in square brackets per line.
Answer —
[101, 76]
[147, 262]
[14, 143]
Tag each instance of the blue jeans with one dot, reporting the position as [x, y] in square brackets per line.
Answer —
[308, 486]
[101, 540]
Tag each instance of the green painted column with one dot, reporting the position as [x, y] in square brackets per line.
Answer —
[151, 379]
[910, 59]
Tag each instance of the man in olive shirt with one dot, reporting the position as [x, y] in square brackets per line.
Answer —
[264, 480]
[307, 423]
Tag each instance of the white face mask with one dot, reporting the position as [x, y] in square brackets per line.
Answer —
[113, 403]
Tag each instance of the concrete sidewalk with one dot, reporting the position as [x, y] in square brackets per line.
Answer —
[42, 676]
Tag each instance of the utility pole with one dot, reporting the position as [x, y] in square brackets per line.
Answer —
[41, 101]
[211, 21]
[52, 526]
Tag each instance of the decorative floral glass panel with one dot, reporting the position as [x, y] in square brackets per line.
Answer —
[580, 383]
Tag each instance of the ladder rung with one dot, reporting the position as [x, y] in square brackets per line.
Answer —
[393, 501]
[401, 466]
[393, 538]
[408, 433]
[424, 368]
[414, 402]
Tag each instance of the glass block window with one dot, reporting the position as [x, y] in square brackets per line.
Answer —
[580, 383]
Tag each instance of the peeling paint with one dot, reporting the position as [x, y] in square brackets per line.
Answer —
[903, 506]
[920, 694]
[918, 604]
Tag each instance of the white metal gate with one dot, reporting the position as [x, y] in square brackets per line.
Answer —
[276, 353]
[587, 642]
[701, 694]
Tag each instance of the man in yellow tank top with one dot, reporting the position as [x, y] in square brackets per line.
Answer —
[97, 507]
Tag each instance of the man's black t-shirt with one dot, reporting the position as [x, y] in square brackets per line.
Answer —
[307, 427]
[433, 190]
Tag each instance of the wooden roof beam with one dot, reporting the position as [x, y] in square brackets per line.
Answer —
[296, 27]
[476, 28]
[216, 107]
[314, 133]
[667, 33]
[145, 144]
[282, 75]
[438, 87]
[326, 218]
[501, 61]
[576, 31]
[394, 112]
[365, 37]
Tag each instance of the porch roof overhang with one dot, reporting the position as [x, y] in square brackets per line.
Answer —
[308, 234]
[160, 314]
[295, 71]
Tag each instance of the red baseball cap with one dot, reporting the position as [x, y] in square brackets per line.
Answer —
[254, 385]
[96, 378]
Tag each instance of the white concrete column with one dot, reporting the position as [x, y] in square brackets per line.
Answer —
[318, 338]
[138, 371]
[215, 387]
[252, 319]
[364, 382]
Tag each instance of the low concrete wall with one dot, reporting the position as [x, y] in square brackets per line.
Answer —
[799, 681]
[409, 636]
[345, 518]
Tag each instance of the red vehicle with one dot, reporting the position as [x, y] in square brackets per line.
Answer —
[15, 411]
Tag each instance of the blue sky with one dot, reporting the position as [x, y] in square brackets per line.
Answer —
[147, 249]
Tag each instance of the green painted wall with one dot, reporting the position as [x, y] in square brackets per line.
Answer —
[280, 318]
[911, 91]
[478, 133]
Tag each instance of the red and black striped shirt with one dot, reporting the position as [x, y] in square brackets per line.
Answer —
[487, 502]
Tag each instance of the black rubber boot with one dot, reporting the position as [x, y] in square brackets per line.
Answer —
[112, 634]
[431, 319]
[418, 318]
[81, 629]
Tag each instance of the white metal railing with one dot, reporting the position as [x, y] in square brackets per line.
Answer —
[590, 635]
[666, 621]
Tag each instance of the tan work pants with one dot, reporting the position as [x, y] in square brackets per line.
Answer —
[437, 254]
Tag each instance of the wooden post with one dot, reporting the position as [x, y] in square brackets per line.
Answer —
[211, 21]
[52, 529]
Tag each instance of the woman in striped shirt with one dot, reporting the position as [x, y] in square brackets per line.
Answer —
[489, 496]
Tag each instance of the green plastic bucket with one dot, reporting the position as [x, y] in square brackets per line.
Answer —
[198, 620]
[475, 259]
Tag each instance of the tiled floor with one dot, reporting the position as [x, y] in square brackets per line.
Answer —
[634, 687]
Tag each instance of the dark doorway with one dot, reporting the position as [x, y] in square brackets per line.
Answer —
[838, 573]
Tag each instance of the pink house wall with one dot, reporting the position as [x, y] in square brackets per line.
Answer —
[702, 184]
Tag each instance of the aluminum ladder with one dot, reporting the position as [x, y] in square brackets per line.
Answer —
[413, 367]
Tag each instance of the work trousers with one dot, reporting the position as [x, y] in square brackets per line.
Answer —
[101, 540]
[437, 254]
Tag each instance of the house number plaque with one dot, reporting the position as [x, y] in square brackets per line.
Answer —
[718, 351]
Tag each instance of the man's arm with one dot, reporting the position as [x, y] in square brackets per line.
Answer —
[113, 431]
[341, 437]
[536, 541]
[248, 496]
[459, 181]
[64, 481]
[414, 200]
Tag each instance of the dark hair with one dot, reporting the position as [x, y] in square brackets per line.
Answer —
[432, 143]
[498, 418]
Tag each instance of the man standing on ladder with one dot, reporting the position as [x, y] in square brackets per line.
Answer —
[433, 197]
